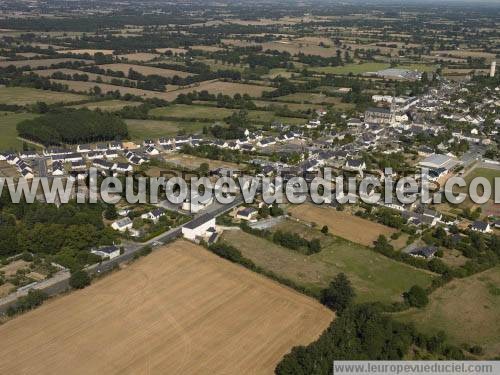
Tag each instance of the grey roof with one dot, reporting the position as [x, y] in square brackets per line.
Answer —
[199, 221]
[426, 251]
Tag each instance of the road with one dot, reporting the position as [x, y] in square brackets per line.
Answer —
[42, 166]
[60, 281]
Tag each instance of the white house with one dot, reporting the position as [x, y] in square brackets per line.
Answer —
[199, 228]
[107, 252]
[480, 226]
[198, 204]
[154, 215]
[247, 213]
[122, 225]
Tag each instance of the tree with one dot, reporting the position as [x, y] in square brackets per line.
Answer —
[339, 294]
[204, 169]
[110, 212]
[324, 230]
[79, 279]
[416, 296]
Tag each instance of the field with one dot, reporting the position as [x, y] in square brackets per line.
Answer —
[374, 277]
[92, 76]
[26, 95]
[213, 87]
[146, 129]
[194, 162]
[37, 64]
[368, 67]
[315, 98]
[468, 310]
[146, 70]
[139, 56]
[341, 223]
[192, 111]
[107, 105]
[180, 310]
[8, 122]
[203, 112]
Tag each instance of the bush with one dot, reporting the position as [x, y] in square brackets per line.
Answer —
[324, 230]
[416, 296]
[79, 279]
[339, 294]
[34, 299]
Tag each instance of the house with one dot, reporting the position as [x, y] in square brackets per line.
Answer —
[115, 146]
[122, 168]
[102, 164]
[57, 168]
[151, 150]
[78, 165]
[111, 154]
[199, 228]
[101, 147]
[266, 142]
[12, 159]
[480, 226]
[148, 142]
[107, 251]
[426, 252]
[154, 215]
[247, 213]
[83, 148]
[355, 165]
[27, 174]
[198, 204]
[28, 155]
[122, 225]
[92, 155]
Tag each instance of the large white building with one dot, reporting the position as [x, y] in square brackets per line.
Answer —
[200, 228]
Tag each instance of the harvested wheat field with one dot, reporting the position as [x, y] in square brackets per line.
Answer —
[341, 223]
[180, 310]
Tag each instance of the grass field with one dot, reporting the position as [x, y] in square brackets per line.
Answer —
[218, 114]
[180, 310]
[315, 99]
[341, 223]
[146, 129]
[369, 67]
[92, 76]
[146, 70]
[26, 95]
[107, 105]
[194, 162]
[36, 64]
[468, 310]
[8, 122]
[374, 277]
[192, 111]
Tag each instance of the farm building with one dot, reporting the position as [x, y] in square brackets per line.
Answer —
[199, 228]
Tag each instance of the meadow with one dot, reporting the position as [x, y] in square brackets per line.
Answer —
[26, 95]
[374, 277]
[8, 122]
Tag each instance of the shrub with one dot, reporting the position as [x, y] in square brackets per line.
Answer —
[79, 279]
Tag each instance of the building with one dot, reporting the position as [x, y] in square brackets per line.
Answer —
[198, 204]
[199, 228]
[107, 251]
[394, 73]
[154, 215]
[247, 213]
[480, 226]
[122, 225]
[436, 161]
[426, 252]
[380, 116]
[493, 68]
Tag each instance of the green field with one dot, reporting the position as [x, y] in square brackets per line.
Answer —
[488, 173]
[26, 95]
[374, 277]
[209, 113]
[468, 310]
[369, 67]
[8, 122]
[144, 129]
[107, 105]
[192, 111]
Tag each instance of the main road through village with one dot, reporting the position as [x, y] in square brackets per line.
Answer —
[60, 281]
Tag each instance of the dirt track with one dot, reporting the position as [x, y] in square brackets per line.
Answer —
[180, 310]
